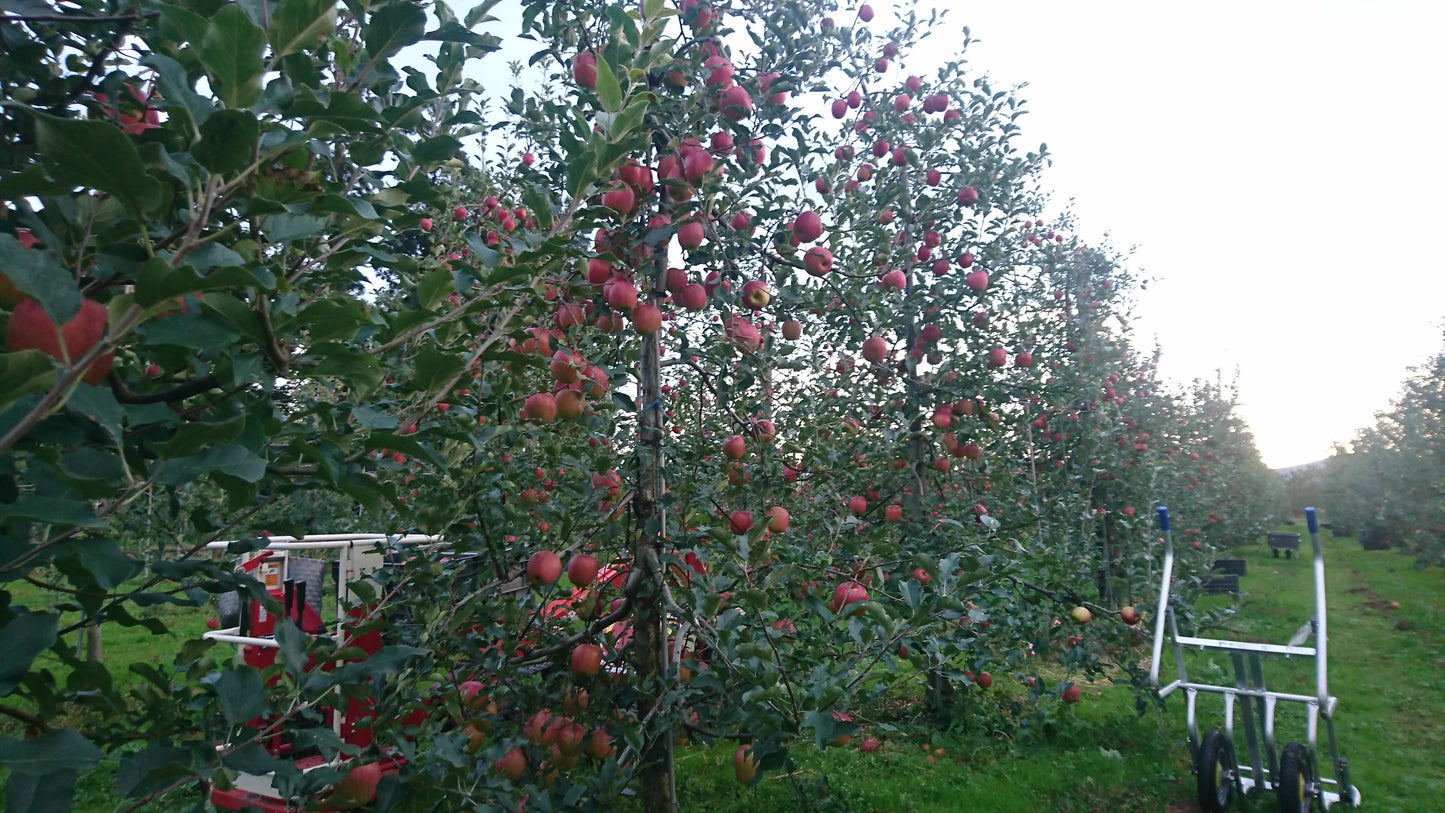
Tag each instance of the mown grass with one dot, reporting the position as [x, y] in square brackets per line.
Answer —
[1386, 666]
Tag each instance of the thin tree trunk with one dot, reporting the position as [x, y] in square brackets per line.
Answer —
[649, 617]
[92, 643]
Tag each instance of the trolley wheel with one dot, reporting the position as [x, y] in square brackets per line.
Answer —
[1297, 787]
[1216, 772]
[1274, 553]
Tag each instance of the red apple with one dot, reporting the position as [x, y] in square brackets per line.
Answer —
[359, 785]
[740, 522]
[620, 294]
[735, 447]
[894, 281]
[865, 13]
[848, 593]
[745, 765]
[893, 513]
[818, 261]
[968, 196]
[976, 279]
[690, 234]
[755, 294]
[599, 744]
[1023, 359]
[870, 746]
[875, 349]
[512, 764]
[840, 108]
[582, 569]
[921, 575]
[777, 519]
[544, 567]
[1081, 615]
[997, 357]
[984, 680]
[858, 505]
[1071, 694]
[619, 199]
[647, 318]
[570, 404]
[792, 330]
[586, 660]
[694, 297]
[31, 329]
[584, 69]
[1129, 615]
[540, 407]
[808, 227]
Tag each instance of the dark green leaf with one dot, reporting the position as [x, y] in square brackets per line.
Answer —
[153, 767]
[286, 228]
[158, 281]
[298, 25]
[103, 561]
[21, 641]
[40, 793]
[62, 750]
[54, 510]
[194, 332]
[455, 32]
[436, 150]
[99, 405]
[23, 373]
[393, 27]
[176, 93]
[435, 368]
[228, 141]
[237, 461]
[38, 274]
[242, 695]
[97, 155]
[232, 52]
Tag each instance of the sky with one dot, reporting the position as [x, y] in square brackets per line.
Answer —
[1277, 168]
[1274, 167]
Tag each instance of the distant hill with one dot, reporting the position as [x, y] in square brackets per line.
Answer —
[1290, 471]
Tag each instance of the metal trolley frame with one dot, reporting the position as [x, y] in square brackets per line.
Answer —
[1292, 772]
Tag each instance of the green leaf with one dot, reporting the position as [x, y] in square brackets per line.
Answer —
[176, 94]
[51, 792]
[299, 25]
[151, 768]
[629, 120]
[101, 560]
[347, 111]
[435, 368]
[62, 750]
[53, 510]
[23, 373]
[21, 641]
[228, 140]
[609, 93]
[191, 438]
[237, 461]
[242, 694]
[393, 27]
[456, 32]
[193, 332]
[536, 198]
[287, 228]
[99, 405]
[97, 155]
[158, 281]
[436, 150]
[232, 52]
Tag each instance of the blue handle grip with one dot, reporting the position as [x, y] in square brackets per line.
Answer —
[1163, 518]
[1313, 521]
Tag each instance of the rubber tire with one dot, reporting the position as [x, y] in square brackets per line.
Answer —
[1296, 775]
[1216, 762]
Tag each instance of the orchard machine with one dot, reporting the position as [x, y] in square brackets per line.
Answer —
[296, 584]
[1292, 772]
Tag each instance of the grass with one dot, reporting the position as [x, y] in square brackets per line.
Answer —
[1386, 628]
[1386, 666]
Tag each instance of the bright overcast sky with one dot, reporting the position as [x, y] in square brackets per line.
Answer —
[1276, 165]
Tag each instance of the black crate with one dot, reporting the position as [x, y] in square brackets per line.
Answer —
[1232, 567]
[1222, 584]
[1289, 543]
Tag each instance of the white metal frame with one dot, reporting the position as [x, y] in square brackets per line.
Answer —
[1249, 687]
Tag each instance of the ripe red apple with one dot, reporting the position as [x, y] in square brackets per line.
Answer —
[647, 318]
[848, 593]
[1129, 615]
[741, 221]
[997, 357]
[512, 764]
[745, 765]
[31, 329]
[544, 567]
[755, 294]
[620, 294]
[540, 407]
[584, 69]
[865, 13]
[1071, 694]
[967, 196]
[893, 513]
[858, 505]
[565, 367]
[840, 108]
[582, 569]
[690, 234]
[808, 226]
[976, 279]
[735, 447]
[792, 330]
[972, 451]
[763, 430]
[359, 785]
[1023, 359]
[693, 297]
[818, 261]
[743, 334]
[984, 680]
[875, 349]
[740, 522]
[894, 281]
[1081, 615]
[586, 660]
[599, 745]
[870, 746]
[570, 404]
[425, 224]
[777, 519]
[213, 623]
[619, 199]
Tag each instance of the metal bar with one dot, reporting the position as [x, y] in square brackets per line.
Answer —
[332, 541]
[1321, 625]
[1266, 712]
[1251, 718]
[1192, 721]
[233, 636]
[1159, 617]
[1242, 646]
[1294, 698]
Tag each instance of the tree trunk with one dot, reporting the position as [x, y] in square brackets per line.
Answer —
[649, 617]
[92, 643]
